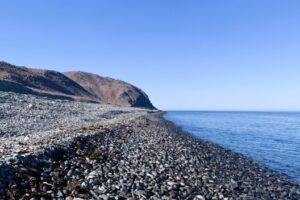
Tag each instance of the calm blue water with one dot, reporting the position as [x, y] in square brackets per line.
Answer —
[272, 138]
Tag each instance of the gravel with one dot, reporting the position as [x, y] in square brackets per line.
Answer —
[29, 124]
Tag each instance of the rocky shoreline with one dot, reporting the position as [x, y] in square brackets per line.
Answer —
[29, 123]
[143, 158]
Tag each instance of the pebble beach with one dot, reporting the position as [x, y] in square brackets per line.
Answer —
[77, 150]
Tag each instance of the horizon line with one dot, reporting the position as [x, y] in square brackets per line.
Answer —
[200, 110]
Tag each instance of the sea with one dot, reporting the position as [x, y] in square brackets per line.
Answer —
[271, 138]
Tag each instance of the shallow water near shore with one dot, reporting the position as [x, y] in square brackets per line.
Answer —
[271, 138]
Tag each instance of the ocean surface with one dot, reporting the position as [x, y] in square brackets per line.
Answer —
[271, 138]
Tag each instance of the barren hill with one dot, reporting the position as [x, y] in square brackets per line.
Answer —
[74, 85]
[111, 91]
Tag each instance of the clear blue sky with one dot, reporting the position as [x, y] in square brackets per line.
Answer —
[204, 55]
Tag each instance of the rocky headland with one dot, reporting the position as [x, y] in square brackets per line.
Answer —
[111, 91]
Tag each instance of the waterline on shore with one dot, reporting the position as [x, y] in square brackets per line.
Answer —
[271, 138]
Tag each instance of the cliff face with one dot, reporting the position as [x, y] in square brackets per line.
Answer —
[78, 85]
[111, 91]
